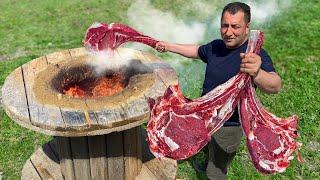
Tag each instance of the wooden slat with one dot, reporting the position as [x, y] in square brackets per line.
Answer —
[74, 119]
[115, 156]
[53, 147]
[65, 155]
[136, 108]
[168, 76]
[29, 172]
[91, 117]
[139, 148]
[41, 115]
[107, 116]
[47, 166]
[145, 173]
[78, 53]
[131, 153]
[14, 98]
[80, 155]
[165, 72]
[57, 57]
[162, 169]
[97, 153]
[157, 89]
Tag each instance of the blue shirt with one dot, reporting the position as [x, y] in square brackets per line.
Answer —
[223, 64]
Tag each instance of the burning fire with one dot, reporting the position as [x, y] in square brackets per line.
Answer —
[102, 86]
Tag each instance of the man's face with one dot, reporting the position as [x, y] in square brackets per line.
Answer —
[234, 29]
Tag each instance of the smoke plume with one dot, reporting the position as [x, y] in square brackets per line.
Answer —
[166, 26]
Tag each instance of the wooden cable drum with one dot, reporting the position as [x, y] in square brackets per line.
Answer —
[98, 137]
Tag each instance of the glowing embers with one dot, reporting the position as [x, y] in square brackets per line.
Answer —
[102, 86]
[81, 82]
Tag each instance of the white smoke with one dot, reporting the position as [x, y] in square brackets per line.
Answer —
[105, 60]
[166, 26]
[261, 12]
[163, 25]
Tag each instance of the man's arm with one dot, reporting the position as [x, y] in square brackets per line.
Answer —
[186, 50]
[269, 82]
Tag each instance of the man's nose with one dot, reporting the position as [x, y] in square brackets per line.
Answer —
[229, 31]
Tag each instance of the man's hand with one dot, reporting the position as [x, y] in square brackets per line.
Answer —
[161, 46]
[186, 50]
[250, 64]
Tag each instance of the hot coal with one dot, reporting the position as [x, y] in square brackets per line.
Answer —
[83, 82]
[96, 87]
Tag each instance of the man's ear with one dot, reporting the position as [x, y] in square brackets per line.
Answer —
[248, 28]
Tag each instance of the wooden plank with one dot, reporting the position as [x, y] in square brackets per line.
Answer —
[98, 160]
[74, 120]
[57, 57]
[108, 116]
[131, 156]
[48, 117]
[46, 163]
[136, 108]
[65, 155]
[91, 118]
[53, 146]
[78, 53]
[80, 155]
[162, 169]
[146, 154]
[79, 119]
[139, 148]
[168, 76]
[14, 98]
[29, 172]
[156, 90]
[164, 71]
[145, 173]
[115, 156]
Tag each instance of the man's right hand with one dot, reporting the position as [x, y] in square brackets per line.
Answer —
[186, 50]
[161, 46]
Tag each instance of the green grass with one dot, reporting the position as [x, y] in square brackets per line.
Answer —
[29, 29]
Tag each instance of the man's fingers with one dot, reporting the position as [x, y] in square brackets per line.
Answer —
[251, 55]
[160, 48]
[248, 65]
[244, 70]
[245, 60]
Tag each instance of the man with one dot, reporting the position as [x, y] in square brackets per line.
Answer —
[224, 59]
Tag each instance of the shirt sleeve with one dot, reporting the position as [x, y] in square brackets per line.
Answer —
[203, 51]
[266, 63]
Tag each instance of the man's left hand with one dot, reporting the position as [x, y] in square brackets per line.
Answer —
[250, 64]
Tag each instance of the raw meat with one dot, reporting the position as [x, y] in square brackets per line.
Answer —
[178, 127]
[101, 36]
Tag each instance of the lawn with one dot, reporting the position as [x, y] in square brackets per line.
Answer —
[29, 29]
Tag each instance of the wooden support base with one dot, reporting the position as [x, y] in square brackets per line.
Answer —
[119, 155]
